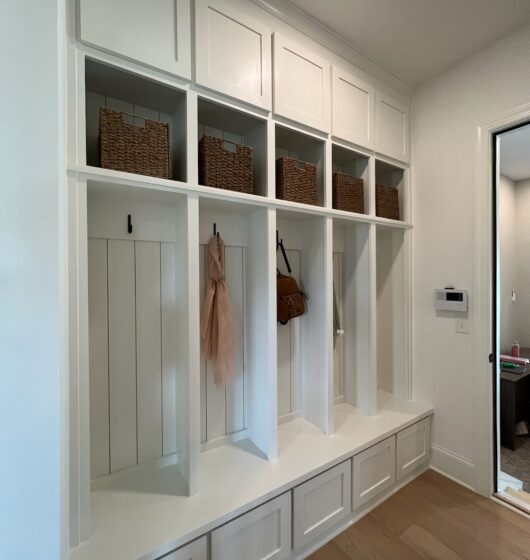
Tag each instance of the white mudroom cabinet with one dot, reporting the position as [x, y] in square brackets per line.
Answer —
[317, 425]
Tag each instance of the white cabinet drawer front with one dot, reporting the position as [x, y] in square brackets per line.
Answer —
[321, 502]
[156, 33]
[196, 550]
[391, 127]
[301, 84]
[374, 470]
[413, 447]
[353, 109]
[233, 53]
[262, 534]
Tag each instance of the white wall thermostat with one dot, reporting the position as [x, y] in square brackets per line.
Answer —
[449, 299]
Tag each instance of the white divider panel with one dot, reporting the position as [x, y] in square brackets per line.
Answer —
[122, 354]
[99, 358]
[338, 342]
[289, 375]
[148, 350]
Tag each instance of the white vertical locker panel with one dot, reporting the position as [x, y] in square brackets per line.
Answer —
[169, 358]
[122, 354]
[148, 350]
[301, 84]
[338, 358]
[203, 372]
[294, 325]
[99, 355]
[235, 390]
[233, 53]
[156, 33]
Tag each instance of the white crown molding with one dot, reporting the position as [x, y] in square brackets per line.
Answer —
[317, 31]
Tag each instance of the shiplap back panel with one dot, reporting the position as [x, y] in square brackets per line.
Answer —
[223, 409]
[338, 348]
[289, 374]
[132, 352]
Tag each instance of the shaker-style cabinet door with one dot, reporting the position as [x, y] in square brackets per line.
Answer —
[301, 84]
[391, 127]
[233, 53]
[353, 103]
[413, 448]
[155, 33]
[196, 550]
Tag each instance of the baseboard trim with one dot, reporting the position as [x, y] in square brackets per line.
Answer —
[453, 466]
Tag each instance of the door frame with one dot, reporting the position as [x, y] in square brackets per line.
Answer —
[486, 341]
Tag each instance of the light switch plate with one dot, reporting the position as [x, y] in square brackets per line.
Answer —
[462, 325]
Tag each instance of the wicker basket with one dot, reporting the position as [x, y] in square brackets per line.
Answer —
[136, 149]
[225, 169]
[387, 202]
[348, 193]
[296, 180]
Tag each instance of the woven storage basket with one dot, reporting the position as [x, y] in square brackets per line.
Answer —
[387, 202]
[136, 149]
[348, 193]
[225, 169]
[296, 180]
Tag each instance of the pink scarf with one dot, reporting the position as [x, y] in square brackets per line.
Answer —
[217, 322]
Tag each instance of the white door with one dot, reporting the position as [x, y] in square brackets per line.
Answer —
[301, 84]
[391, 127]
[233, 53]
[156, 33]
[353, 108]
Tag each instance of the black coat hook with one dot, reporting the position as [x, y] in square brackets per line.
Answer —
[215, 232]
[129, 223]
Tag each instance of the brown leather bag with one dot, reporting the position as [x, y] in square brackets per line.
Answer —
[291, 300]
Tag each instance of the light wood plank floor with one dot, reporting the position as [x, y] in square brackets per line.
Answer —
[436, 519]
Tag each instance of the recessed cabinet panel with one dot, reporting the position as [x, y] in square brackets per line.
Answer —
[233, 53]
[413, 448]
[392, 127]
[156, 33]
[353, 109]
[301, 84]
[262, 534]
[197, 550]
[374, 470]
[321, 503]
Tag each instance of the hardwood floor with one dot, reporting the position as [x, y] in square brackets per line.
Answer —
[436, 519]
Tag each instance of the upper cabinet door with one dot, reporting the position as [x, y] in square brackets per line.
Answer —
[353, 109]
[391, 127]
[233, 53]
[156, 33]
[301, 84]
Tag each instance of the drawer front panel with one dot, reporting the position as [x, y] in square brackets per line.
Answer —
[262, 534]
[374, 471]
[196, 550]
[321, 502]
[413, 447]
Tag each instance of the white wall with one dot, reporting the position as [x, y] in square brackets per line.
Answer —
[522, 262]
[508, 236]
[30, 322]
[445, 113]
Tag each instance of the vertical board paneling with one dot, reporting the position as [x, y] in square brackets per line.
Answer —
[235, 390]
[338, 362]
[122, 354]
[99, 355]
[202, 291]
[295, 258]
[169, 357]
[148, 350]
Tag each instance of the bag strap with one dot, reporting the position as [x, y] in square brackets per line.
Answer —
[279, 245]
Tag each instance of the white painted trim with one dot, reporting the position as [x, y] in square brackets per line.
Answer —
[510, 507]
[452, 466]
[482, 379]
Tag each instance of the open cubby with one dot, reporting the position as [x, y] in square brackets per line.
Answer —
[392, 176]
[301, 344]
[242, 408]
[231, 125]
[351, 348]
[353, 163]
[107, 86]
[138, 356]
[391, 312]
[305, 148]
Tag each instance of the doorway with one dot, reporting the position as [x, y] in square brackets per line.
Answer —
[511, 313]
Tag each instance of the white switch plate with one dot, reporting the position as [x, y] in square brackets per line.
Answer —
[462, 325]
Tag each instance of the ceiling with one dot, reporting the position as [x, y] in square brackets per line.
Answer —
[515, 153]
[417, 39]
